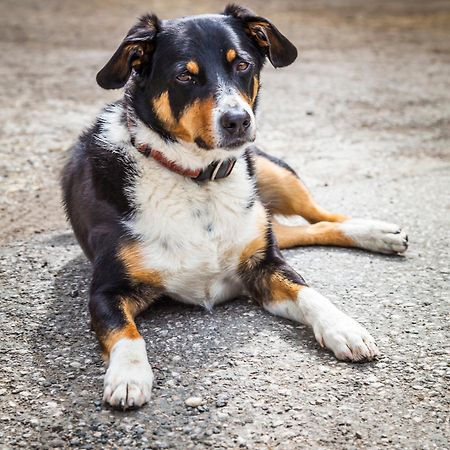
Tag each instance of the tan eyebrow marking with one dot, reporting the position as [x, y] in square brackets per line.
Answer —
[231, 55]
[255, 89]
[251, 101]
[193, 67]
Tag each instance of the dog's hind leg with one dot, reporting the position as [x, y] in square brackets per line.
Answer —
[282, 192]
[283, 292]
[370, 235]
[117, 295]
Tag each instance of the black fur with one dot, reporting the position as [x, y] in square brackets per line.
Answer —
[94, 182]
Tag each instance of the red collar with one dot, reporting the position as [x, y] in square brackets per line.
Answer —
[214, 171]
[167, 163]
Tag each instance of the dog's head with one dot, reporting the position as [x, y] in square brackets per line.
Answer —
[196, 79]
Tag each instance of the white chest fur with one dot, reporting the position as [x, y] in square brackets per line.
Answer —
[194, 234]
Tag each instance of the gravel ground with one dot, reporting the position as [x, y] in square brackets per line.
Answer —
[364, 115]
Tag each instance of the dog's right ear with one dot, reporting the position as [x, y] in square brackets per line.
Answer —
[135, 52]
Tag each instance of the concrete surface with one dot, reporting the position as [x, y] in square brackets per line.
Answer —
[364, 115]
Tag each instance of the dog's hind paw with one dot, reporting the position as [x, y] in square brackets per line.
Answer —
[129, 378]
[376, 236]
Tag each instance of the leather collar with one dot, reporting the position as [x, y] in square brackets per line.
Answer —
[214, 171]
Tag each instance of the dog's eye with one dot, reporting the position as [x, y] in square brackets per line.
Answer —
[184, 77]
[242, 66]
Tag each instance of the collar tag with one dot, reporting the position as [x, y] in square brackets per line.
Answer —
[216, 170]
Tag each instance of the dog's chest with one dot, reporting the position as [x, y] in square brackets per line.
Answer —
[194, 234]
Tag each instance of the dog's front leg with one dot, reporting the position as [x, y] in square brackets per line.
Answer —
[281, 291]
[121, 288]
[129, 377]
[332, 328]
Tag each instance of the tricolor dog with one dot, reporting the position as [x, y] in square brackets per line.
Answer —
[167, 195]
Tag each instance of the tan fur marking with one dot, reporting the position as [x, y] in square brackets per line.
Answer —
[193, 67]
[322, 233]
[129, 331]
[251, 101]
[283, 193]
[254, 251]
[231, 55]
[161, 105]
[195, 122]
[134, 264]
[283, 289]
[255, 89]
[246, 98]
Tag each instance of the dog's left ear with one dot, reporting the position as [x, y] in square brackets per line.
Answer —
[135, 52]
[280, 51]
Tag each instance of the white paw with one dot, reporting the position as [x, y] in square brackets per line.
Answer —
[377, 236]
[129, 378]
[333, 329]
[346, 338]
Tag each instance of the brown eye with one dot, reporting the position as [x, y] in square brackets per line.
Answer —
[184, 77]
[242, 66]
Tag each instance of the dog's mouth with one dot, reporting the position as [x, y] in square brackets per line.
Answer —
[237, 143]
[225, 144]
[232, 143]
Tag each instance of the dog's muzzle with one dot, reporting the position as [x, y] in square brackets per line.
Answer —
[235, 127]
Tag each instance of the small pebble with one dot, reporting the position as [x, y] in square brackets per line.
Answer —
[193, 402]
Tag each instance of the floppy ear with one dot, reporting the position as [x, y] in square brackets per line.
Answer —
[280, 51]
[134, 52]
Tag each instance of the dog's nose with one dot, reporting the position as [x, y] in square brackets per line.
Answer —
[235, 122]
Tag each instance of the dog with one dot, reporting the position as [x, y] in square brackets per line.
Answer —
[168, 196]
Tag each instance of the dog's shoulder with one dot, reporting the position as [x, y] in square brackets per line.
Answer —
[100, 163]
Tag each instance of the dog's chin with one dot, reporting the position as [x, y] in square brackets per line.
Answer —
[227, 145]
[235, 144]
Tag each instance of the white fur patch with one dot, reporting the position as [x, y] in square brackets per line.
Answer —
[192, 234]
[333, 329]
[375, 235]
[129, 378]
[114, 134]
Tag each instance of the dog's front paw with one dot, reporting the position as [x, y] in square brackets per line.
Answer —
[376, 236]
[129, 378]
[346, 338]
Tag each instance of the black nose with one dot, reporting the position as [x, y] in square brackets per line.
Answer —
[235, 122]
